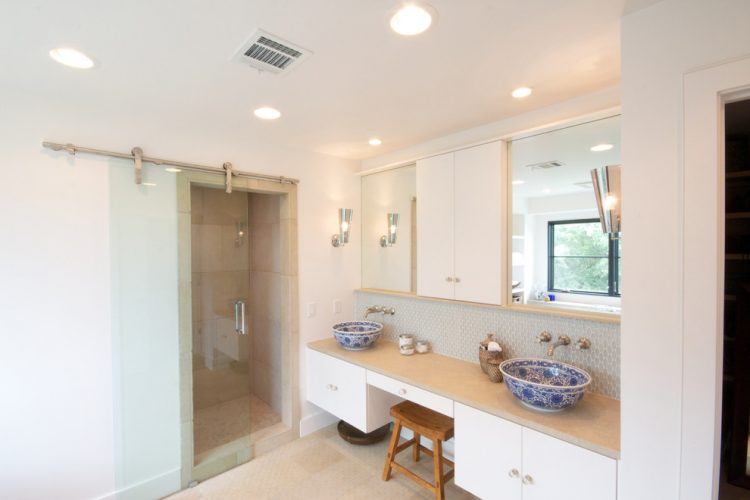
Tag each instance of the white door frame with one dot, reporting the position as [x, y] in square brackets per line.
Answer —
[706, 91]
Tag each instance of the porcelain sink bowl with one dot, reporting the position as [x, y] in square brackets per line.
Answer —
[544, 384]
[357, 335]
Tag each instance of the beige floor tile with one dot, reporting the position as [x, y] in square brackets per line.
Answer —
[319, 466]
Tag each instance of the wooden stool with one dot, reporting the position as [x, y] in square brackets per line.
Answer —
[423, 422]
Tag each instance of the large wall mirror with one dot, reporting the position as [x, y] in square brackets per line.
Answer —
[389, 244]
[560, 256]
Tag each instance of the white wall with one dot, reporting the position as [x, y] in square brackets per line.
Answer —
[660, 44]
[57, 362]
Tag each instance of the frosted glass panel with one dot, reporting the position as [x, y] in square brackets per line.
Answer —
[144, 301]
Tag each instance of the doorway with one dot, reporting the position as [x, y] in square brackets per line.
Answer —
[735, 432]
[238, 330]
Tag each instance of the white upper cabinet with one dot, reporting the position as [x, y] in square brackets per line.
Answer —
[435, 226]
[478, 223]
[460, 207]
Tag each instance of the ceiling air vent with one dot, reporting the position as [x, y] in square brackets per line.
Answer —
[545, 165]
[268, 52]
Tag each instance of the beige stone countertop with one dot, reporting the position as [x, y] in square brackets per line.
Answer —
[594, 423]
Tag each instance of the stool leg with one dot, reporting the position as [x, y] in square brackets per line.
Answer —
[415, 449]
[437, 459]
[391, 450]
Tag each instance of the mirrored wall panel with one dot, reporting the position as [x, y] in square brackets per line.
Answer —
[389, 243]
[560, 256]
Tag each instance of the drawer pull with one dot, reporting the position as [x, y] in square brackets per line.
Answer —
[527, 479]
[402, 392]
[513, 473]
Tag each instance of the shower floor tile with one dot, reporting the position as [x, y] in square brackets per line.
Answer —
[219, 424]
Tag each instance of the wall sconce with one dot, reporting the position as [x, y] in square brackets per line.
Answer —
[606, 181]
[345, 223]
[390, 239]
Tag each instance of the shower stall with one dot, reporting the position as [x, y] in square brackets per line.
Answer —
[242, 329]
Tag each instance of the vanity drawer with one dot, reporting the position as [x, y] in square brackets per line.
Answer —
[415, 394]
[338, 387]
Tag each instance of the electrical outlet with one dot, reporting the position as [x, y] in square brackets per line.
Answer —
[311, 309]
[336, 306]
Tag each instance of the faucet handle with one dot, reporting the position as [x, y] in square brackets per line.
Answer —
[544, 336]
[583, 343]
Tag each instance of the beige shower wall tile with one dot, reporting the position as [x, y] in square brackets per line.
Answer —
[267, 254]
[267, 294]
[235, 254]
[221, 208]
[288, 246]
[288, 207]
[219, 290]
[264, 209]
[208, 237]
[267, 340]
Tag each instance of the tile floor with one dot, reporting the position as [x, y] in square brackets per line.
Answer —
[222, 423]
[319, 466]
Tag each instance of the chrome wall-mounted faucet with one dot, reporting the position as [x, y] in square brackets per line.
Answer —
[380, 309]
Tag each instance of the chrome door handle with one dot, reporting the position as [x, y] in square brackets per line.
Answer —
[240, 325]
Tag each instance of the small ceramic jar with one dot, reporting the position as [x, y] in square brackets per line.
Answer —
[406, 339]
[406, 350]
[423, 346]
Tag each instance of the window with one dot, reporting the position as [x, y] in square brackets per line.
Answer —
[582, 259]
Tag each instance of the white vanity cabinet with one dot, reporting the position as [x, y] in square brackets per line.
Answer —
[497, 459]
[461, 200]
[341, 389]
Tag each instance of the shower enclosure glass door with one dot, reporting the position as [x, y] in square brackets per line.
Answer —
[235, 355]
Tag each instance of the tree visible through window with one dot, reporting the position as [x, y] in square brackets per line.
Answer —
[582, 259]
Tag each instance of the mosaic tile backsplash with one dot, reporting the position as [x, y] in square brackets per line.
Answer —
[455, 329]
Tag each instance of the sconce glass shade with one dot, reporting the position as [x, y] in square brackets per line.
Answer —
[606, 181]
[389, 239]
[345, 224]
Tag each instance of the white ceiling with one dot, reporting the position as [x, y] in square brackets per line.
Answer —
[171, 62]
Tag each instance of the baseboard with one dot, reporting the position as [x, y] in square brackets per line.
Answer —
[156, 487]
[315, 422]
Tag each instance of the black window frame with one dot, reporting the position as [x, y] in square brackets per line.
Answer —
[613, 257]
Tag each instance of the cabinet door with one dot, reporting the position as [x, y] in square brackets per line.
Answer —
[480, 198]
[338, 387]
[563, 471]
[488, 454]
[435, 226]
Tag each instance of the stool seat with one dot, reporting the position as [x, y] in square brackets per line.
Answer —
[428, 423]
[423, 422]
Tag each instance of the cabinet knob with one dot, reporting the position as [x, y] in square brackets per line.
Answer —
[513, 473]
[402, 392]
[448, 279]
[332, 387]
[527, 479]
[457, 280]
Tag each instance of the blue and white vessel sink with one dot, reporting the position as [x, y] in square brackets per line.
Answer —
[357, 335]
[543, 384]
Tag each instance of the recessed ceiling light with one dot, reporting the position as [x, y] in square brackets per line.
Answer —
[521, 92]
[375, 142]
[173, 169]
[71, 57]
[149, 184]
[266, 113]
[411, 19]
[546, 190]
[601, 147]
[519, 182]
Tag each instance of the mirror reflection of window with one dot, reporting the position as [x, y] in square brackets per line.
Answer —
[560, 257]
[389, 263]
